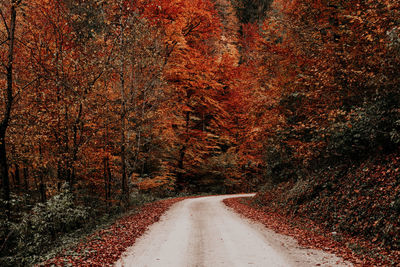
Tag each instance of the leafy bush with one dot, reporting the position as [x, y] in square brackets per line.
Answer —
[279, 164]
[375, 126]
[38, 229]
[139, 198]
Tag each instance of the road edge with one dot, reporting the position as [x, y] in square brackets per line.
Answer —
[105, 247]
[308, 234]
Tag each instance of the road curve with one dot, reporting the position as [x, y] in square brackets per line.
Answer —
[204, 232]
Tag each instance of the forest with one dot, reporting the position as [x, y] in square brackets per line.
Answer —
[106, 104]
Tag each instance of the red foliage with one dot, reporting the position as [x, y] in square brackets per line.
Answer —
[308, 233]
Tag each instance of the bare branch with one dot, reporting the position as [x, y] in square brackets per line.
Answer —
[3, 42]
[4, 21]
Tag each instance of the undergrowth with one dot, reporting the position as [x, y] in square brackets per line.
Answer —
[362, 201]
[40, 233]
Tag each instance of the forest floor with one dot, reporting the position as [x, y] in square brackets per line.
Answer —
[204, 232]
[308, 233]
[105, 246]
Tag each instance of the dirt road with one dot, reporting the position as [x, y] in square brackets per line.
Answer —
[204, 232]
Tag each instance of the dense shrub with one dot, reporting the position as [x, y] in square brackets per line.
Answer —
[279, 164]
[373, 127]
[38, 229]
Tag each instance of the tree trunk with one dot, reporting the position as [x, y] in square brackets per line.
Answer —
[17, 178]
[8, 104]
[105, 180]
[180, 181]
[4, 171]
[77, 127]
[124, 180]
[42, 188]
[109, 179]
[26, 183]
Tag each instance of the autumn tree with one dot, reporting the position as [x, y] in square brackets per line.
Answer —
[313, 71]
[8, 12]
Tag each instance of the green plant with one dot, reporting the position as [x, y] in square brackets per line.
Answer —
[40, 227]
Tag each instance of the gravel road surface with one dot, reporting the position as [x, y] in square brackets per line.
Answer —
[203, 232]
